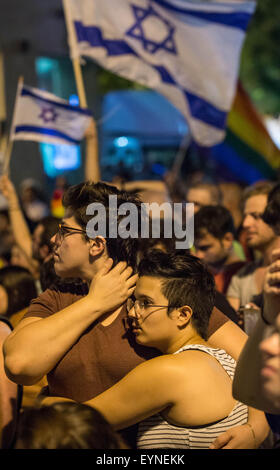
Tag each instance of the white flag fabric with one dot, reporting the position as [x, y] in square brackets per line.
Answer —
[43, 117]
[186, 50]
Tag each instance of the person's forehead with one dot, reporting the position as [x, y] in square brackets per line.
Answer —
[149, 286]
[255, 203]
[70, 220]
[205, 238]
[198, 195]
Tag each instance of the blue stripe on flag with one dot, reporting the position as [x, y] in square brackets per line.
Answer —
[76, 109]
[93, 36]
[200, 108]
[206, 112]
[239, 19]
[44, 131]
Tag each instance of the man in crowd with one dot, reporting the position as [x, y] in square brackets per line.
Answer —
[213, 240]
[257, 377]
[204, 194]
[246, 285]
[77, 335]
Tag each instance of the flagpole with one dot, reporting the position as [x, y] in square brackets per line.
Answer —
[9, 147]
[72, 40]
[92, 168]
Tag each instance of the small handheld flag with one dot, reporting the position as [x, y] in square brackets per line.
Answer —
[43, 117]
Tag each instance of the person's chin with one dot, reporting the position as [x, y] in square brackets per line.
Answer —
[62, 272]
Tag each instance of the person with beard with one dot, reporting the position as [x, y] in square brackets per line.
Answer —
[213, 240]
[257, 377]
[247, 284]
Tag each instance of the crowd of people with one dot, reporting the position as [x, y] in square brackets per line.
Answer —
[118, 342]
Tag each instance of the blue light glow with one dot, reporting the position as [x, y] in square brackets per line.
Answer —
[121, 141]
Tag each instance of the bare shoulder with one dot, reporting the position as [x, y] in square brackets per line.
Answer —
[163, 368]
[190, 363]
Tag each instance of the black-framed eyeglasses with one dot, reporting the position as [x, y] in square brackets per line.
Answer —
[142, 306]
[64, 230]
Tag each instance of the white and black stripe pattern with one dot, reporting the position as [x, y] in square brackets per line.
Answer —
[156, 433]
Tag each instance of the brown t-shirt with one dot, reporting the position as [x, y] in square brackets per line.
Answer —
[102, 355]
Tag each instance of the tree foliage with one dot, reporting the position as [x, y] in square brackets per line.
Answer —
[260, 60]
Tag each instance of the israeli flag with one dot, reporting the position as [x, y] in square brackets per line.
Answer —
[186, 50]
[43, 117]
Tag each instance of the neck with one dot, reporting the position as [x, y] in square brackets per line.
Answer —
[231, 258]
[189, 337]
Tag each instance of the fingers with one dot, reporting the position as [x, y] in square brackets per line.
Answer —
[274, 267]
[131, 281]
[106, 266]
[275, 255]
[220, 441]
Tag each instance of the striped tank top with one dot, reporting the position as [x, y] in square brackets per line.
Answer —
[157, 433]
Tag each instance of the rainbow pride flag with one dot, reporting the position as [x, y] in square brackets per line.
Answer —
[248, 151]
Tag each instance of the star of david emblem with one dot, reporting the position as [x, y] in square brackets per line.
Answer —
[143, 30]
[48, 114]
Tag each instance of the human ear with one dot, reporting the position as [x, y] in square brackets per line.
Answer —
[184, 315]
[228, 239]
[97, 246]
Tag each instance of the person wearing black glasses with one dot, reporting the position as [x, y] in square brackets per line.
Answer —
[76, 334]
[181, 399]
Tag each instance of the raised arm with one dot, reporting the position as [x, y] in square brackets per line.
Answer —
[232, 339]
[37, 344]
[20, 228]
[92, 167]
[8, 397]
[247, 385]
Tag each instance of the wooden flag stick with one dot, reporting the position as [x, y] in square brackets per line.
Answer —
[92, 167]
[9, 147]
[72, 41]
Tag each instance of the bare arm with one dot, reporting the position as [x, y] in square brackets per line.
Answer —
[247, 385]
[92, 167]
[229, 337]
[247, 436]
[234, 302]
[8, 397]
[232, 339]
[20, 228]
[36, 345]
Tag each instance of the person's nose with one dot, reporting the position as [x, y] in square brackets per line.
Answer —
[199, 254]
[247, 221]
[55, 240]
[132, 313]
[271, 345]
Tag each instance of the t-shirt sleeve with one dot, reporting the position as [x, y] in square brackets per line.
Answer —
[217, 319]
[44, 305]
[234, 287]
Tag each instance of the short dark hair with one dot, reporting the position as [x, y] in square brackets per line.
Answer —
[217, 220]
[78, 197]
[20, 286]
[186, 281]
[271, 215]
[256, 189]
[148, 244]
[65, 425]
